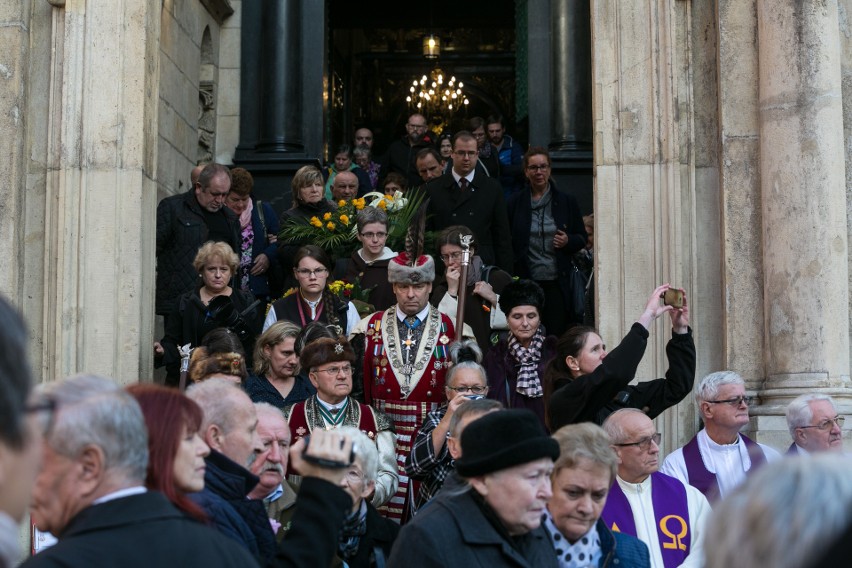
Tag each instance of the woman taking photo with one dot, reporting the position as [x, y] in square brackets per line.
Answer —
[585, 384]
[547, 229]
[276, 379]
[176, 451]
[515, 365]
[313, 301]
[213, 304]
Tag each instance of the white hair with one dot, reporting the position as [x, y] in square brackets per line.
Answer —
[613, 427]
[94, 410]
[708, 388]
[218, 399]
[799, 412]
[265, 408]
[366, 452]
[783, 516]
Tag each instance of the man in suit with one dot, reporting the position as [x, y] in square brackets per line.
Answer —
[463, 196]
[91, 495]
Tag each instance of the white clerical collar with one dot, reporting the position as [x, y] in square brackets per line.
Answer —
[120, 494]
[642, 486]
[330, 406]
[469, 176]
[421, 315]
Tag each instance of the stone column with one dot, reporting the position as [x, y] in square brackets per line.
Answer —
[803, 195]
[98, 257]
[571, 72]
[280, 117]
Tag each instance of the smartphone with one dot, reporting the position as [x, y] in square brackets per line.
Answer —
[673, 298]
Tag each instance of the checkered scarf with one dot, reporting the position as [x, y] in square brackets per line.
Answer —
[528, 358]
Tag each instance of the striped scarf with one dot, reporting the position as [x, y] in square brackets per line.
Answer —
[528, 384]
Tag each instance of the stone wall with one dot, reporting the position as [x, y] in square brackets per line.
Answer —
[191, 54]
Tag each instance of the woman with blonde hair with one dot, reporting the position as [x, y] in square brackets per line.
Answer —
[214, 303]
[276, 379]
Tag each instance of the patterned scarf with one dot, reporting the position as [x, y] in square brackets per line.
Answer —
[353, 529]
[529, 384]
[245, 257]
[585, 553]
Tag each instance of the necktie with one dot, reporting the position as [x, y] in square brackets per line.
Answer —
[463, 183]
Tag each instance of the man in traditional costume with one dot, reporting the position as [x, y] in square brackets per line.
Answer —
[406, 357]
[329, 366]
[661, 511]
[718, 458]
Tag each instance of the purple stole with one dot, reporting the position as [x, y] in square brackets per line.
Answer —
[671, 516]
[793, 450]
[704, 480]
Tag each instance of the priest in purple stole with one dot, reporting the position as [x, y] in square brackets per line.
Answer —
[718, 458]
[664, 513]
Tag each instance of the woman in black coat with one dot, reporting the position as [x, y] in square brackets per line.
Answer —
[547, 229]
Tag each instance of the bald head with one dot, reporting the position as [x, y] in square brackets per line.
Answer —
[636, 443]
[345, 186]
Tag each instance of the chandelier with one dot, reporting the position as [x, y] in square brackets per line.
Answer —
[434, 97]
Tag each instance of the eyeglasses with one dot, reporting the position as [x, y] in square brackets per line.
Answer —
[645, 443]
[452, 256]
[474, 390]
[463, 154]
[416, 126]
[828, 423]
[334, 371]
[734, 401]
[307, 273]
[543, 168]
[374, 236]
[46, 409]
[354, 476]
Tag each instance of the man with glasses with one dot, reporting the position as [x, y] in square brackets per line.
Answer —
[718, 458]
[661, 511]
[814, 424]
[184, 223]
[464, 197]
[401, 154]
[329, 365]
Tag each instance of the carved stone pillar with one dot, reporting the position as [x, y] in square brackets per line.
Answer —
[805, 264]
[98, 255]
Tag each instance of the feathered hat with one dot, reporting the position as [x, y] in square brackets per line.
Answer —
[412, 266]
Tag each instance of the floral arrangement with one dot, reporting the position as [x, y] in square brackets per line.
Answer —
[336, 232]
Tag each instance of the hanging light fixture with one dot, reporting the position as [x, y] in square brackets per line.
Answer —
[431, 46]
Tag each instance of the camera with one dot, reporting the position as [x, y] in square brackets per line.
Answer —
[673, 297]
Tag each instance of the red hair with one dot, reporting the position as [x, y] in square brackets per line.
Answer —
[167, 413]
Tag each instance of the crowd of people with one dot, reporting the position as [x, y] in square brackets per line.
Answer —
[468, 417]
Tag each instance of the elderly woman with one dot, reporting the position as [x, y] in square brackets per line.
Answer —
[547, 229]
[276, 379]
[369, 264]
[496, 521]
[329, 365]
[483, 286]
[313, 301]
[259, 234]
[581, 478]
[363, 156]
[584, 384]
[366, 537]
[176, 451]
[515, 365]
[308, 201]
[213, 304]
[430, 461]
[343, 163]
